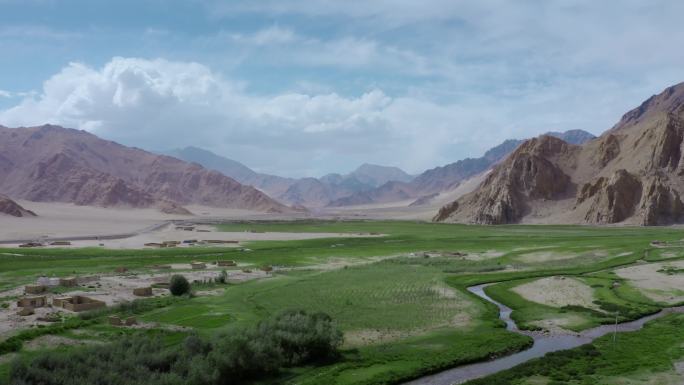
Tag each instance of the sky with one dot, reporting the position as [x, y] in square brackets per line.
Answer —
[307, 87]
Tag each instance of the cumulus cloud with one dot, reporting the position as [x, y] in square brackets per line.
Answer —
[160, 104]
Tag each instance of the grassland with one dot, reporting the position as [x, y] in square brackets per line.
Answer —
[403, 314]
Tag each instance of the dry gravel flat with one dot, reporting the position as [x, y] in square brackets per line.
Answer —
[558, 292]
[658, 286]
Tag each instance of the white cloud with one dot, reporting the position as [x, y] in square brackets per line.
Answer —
[161, 104]
[5, 94]
[267, 36]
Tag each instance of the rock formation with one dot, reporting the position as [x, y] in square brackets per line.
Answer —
[630, 174]
[10, 207]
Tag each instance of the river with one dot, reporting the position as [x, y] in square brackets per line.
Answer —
[543, 343]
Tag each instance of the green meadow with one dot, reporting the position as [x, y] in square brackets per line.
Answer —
[399, 298]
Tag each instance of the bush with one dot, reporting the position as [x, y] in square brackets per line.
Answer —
[179, 285]
[291, 338]
[223, 277]
[304, 337]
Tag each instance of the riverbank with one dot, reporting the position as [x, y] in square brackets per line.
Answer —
[543, 344]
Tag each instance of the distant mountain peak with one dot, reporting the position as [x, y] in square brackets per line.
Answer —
[573, 136]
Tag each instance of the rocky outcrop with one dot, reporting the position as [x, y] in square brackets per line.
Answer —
[667, 152]
[502, 205]
[608, 150]
[446, 211]
[661, 204]
[423, 200]
[10, 207]
[530, 173]
[168, 207]
[613, 199]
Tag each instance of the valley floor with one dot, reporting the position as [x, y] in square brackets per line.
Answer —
[397, 290]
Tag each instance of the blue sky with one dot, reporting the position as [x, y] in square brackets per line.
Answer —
[301, 88]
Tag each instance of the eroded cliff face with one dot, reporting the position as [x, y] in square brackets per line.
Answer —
[661, 204]
[633, 173]
[612, 199]
[608, 150]
[530, 173]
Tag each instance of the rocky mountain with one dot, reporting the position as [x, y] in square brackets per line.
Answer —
[10, 207]
[443, 178]
[52, 163]
[312, 192]
[271, 184]
[630, 174]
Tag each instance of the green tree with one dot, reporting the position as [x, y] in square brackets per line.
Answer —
[179, 285]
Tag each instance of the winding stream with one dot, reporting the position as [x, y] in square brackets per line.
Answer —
[543, 344]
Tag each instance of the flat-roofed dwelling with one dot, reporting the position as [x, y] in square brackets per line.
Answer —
[143, 291]
[78, 303]
[34, 289]
[32, 301]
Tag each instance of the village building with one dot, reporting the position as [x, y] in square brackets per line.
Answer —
[32, 301]
[68, 282]
[34, 289]
[78, 303]
[27, 311]
[60, 243]
[143, 291]
[226, 263]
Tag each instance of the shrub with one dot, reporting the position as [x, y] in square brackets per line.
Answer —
[303, 337]
[223, 277]
[291, 338]
[179, 285]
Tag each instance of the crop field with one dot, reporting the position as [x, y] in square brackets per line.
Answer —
[399, 298]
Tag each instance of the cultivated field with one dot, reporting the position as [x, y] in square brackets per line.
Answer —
[397, 290]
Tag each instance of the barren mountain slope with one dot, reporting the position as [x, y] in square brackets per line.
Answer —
[445, 178]
[271, 184]
[51, 163]
[631, 174]
[10, 207]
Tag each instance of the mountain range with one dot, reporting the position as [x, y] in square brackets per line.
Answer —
[55, 164]
[630, 174]
[311, 192]
[368, 184]
[443, 178]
